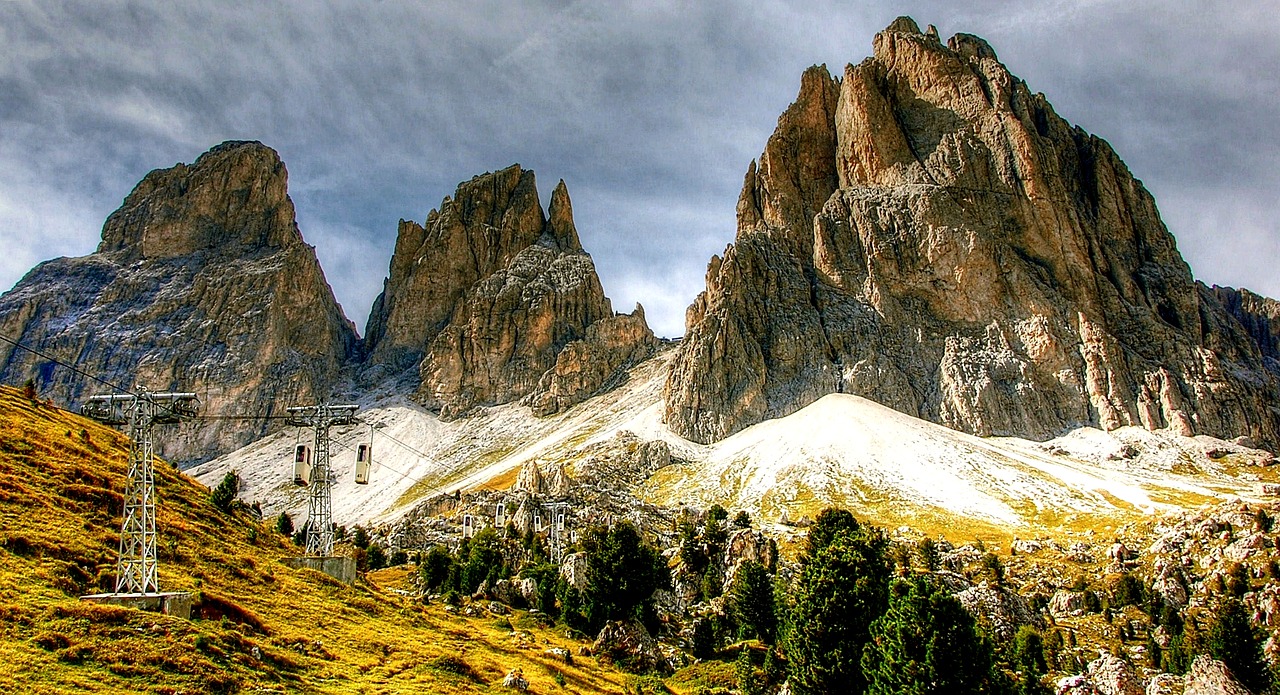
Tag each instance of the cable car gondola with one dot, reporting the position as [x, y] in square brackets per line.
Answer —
[364, 461]
[302, 465]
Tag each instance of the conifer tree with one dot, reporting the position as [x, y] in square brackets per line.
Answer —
[1232, 641]
[926, 642]
[483, 560]
[623, 572]
[751, 603]
[225, 494]
[842, 587]
[284, 524]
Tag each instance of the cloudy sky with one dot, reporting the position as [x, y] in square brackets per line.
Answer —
[650, 111]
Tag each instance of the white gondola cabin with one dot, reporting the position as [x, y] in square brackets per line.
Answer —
[500, 516]
[537, 522]
[364, 461]
[302, 465]
[468, 529]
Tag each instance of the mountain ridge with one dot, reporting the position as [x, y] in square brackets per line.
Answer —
[923, 231]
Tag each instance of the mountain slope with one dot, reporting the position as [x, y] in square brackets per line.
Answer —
[202, 283]
[843, 450]
[258, 625]
[928, 233]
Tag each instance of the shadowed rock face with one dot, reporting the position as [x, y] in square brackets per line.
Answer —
[928, 233]
[482, 300]
[202, 282]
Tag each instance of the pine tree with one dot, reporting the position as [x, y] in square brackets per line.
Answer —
[842, 587]
[751, 603]
[284, 524]
[483, 560]
[622, 573]
[1232, 641]
[1029, 660]
[926, 642]
[224, 495]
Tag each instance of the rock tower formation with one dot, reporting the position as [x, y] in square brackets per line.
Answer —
[484, 298]
[202, 282]
[926, 232]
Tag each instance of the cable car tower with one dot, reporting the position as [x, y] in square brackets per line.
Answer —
[318, 475]
[136, 568]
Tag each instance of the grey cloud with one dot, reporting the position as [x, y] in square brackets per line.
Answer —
[649, 111]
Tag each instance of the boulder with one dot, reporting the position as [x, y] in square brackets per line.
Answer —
[1208, 676]
[627, 644]
[1067, 604]
[515, 680]
[1114, 676]
[574, 570]
[1002, 608]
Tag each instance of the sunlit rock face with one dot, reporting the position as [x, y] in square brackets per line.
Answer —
[484, 298]
[926, 232]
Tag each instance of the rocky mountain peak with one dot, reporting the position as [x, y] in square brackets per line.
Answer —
[202, 283]
[233, 199]
[930, 234]
[482, 299]
[560, 222]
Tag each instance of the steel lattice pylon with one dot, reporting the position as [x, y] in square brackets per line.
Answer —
[136, 568]
[320, 493]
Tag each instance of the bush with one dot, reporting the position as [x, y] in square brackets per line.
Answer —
[361, 538]
[742, 520]
[377, 557]
[224, 495]
[929, 555]
[1127, 590]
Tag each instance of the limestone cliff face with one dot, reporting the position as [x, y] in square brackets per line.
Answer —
[611, 346]
[202, 282]
[928, 233]
[1260, 317]
[483, 298]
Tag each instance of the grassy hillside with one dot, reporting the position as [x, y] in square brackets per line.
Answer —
[258, 626]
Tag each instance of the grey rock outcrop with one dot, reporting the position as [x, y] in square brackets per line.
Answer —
[628, 645]
[584, 367]
[1114, 676]
[928, 233]
[1260, 317]
[1002, 608]
[203, 283]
